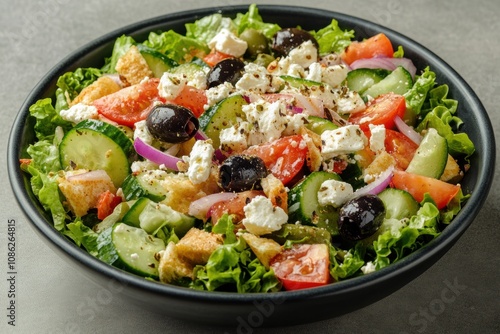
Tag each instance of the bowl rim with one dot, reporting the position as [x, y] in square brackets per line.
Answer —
[418, 258]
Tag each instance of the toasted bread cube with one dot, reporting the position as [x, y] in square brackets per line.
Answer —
[173, 267]
[265, 249]
[381, 162]
[99, 88]
[133, 67]
[275, 190]
[82, 189]
[197, 246]
[452, 172]
[313, 141]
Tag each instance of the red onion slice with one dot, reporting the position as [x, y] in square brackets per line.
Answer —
[155, 155]
[379, 184]
[200, 207]
[407, 130]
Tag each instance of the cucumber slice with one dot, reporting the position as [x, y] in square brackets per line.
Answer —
[96, 145]
[130, 248]
[318, 124]
[157, 61]
[190, 70]
[132, 216]
[398, 203]
[431, 156]
[302, 233]
[296, 82]
[221, 116]
[399, 82]
[303, 203]
[156, 215]
[361, 79]
[144, 184]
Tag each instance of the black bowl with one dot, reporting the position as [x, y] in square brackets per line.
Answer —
[282, 308]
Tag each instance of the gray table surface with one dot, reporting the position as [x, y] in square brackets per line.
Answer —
[51, 297]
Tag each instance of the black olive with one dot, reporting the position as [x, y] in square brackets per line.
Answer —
[227, 70]
[241, 172]
[172, 123]
[361, 217]
[288, 39]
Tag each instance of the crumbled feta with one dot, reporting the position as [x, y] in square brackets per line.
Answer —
[343, 140]
[234, 139]
[141, 131]
[218, 93]
[331, 59]
[199, 78]
[79, 112]
[142, 166]
[256, 78]
[227, 42]
[350, 102]
[334, 75]
[171, 85]
[315, 72]
[377, 138]
[304, 55]
[267, 119]
[261, 217]
[200, 161]
[294, 123]
[369, 267]
[335, 193]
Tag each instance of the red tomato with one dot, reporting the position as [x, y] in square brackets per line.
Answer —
[302, 266]
[381, 110]
[130, 104]
[375, 46]
[417, 185]
[284, 157]
[400, 147]
[106, 204]
[192, 98]
[214, 57]
[234, 206]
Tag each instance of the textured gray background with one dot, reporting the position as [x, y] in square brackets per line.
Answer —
[53, 298]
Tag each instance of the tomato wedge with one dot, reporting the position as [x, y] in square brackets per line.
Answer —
[302, 266]
[400, 147]
[192, 98]
[417, 185]
[375, 46]
[130, 104]
[214, 57]
[106, 203]
[380, 111]
[284, 157]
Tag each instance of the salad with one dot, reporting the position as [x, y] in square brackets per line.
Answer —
[248, 157]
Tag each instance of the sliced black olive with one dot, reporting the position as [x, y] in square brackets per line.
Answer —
[241, 172]
[288, 39]
[172, 123]
[227, 70]
[361, 217]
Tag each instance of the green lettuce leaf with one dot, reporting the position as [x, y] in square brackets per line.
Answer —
[207, 27]
[176, 46]
[72, 83]
[346, 264]
[47, 119]
[417, 95]
[82, 236]
[332, 38]
[233, 266]
[253, 20]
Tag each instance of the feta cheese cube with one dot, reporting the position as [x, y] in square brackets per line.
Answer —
[335, 193]
[234, 139]
[350, 102]
[343, 140]
[255, 78]
[200, 161]
[227, 42]
[141, 131]
[334, 75]
[171, 85]
[268, 120]
[369, 267]
[377, 138]
[79, 112]
[261, 217]
[218, 93]
[304, 55]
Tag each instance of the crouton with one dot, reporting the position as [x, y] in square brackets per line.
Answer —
[452, 172]
[99, 88]
[197, 246]
[265, 249]
[275, 190]
[313, 141]
[133, 67]
[173, 267]
[82, 188]
[381, 162]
